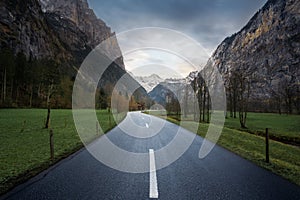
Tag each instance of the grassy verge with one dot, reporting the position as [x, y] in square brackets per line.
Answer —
[283, 128]
[284, 158]
[24, 143]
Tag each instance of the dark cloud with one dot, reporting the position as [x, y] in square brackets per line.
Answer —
[207, 21]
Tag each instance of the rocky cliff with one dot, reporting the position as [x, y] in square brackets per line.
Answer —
[23, 27]
[47, 40]
[267, 49]
[76, 13]
[64, 30]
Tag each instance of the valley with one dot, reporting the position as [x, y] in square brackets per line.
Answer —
[90, 113]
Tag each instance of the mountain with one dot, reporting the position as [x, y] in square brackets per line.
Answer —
[67, 30]
[76, 14]
[24, 28]
[44, 43]
[172, 87]
[148, 82]
[267, 52]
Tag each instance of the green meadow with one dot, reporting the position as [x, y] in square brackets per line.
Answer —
[24, 143]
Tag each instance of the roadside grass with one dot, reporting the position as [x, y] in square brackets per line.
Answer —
[284, 158]
[24, 143]
[285, 128]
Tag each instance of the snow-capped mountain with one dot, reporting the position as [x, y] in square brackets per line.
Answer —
[158, 87]
[148, 82]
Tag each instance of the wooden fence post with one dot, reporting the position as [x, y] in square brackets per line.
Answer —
[51, 145]
[267, 146]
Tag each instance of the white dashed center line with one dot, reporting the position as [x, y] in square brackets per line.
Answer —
[147, 125]
[153, 192]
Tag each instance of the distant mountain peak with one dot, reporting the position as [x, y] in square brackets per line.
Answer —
[153, 80]
[148, 82]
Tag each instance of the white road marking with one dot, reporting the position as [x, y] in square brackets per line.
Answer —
[147, 125]
[153, 192]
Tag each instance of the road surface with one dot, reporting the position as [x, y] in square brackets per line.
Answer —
[221, 175]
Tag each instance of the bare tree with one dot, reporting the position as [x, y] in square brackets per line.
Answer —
[49, 95]
[243, 94]
[233, 93]
[194, 86]
[285, 93]
[51, 80]
[185, 100]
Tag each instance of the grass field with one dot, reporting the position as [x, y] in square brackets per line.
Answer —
[284, 128]
[284, 158]
[24, 143]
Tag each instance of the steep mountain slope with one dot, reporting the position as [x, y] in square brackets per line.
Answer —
[23, 27]
[267, 51]
[46, 42]
[67, 31]
[78, 15]
[166, 90]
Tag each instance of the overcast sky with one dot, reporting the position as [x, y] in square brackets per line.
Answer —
[206, 21]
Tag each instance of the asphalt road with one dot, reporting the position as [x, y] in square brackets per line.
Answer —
[221, 175]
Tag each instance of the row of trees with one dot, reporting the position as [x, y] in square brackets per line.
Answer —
[190, 100]
[32, 83]
[42, 84]
[285, 96]
[238, 94]
[118, 101]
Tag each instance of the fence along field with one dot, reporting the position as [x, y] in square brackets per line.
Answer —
[24, 142]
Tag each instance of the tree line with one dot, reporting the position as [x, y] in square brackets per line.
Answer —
[284, 98]
[31, 83]
[190, 99]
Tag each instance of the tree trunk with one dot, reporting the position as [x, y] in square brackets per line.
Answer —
[204, 102]
[279, 106]
[195, 101]
[47, 125]
[290, 105]
[4, 85]
[200, 103]
[234, 103]
[208, 104]
[17, 95]
[39, 90]
[186, 102]
[50, 88]
[31, 94]
[230, 104]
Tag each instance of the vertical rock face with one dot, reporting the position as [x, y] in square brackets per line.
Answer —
[63, 30]
[78, 13]
[23, 28]
[267, 48]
